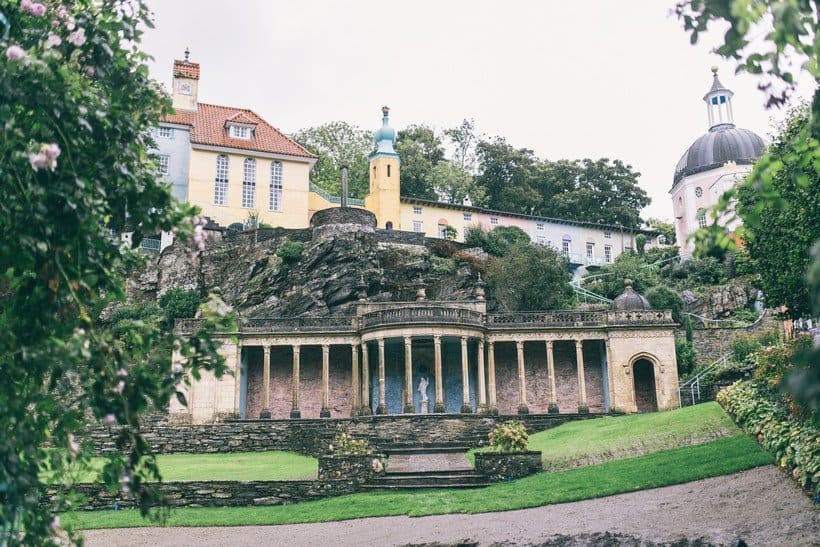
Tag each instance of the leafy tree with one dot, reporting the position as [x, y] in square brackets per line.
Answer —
[452, 184]
[780, 236]
[179, 304]
[530, 277]
[464, 140]
[337, 144]
[77, 108]
[506, 174]
[664, 298]
[666, 229]
[421, 151]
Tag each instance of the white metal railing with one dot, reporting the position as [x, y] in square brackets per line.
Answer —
[580, 291]
[693, 383]
[151, 244]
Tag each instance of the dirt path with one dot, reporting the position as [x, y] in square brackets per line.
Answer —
[759, 506]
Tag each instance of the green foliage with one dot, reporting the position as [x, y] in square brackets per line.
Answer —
[782, 223]
[664, 298]
[443, 265]
[344, 444]
[501, 239]
[509, 437]
[775, 361]
[474, 236]
[640, 243]
[336, 144]
[290, 252]
[696, 271]
[420, 150]
[609, 280]
[686, 356]
[666, 229]
[745, 315]
[178, 304]
[74, 151]
[794, 444]
[530, 277]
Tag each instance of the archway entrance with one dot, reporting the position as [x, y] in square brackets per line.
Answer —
[646, 398]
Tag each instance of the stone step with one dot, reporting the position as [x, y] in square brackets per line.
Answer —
[431, 473]
[415, 448]
[430, 480]
[423, 486]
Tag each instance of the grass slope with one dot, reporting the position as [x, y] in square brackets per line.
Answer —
[274, 465]
[719, 457]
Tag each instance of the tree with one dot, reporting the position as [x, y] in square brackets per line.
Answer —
[452, 184]
[530, 277]
[464, 140]
[609, 281]
[780, 236]
[77, 107]
[506, 175]
[666, 229]
[337, 144]
[421, 151]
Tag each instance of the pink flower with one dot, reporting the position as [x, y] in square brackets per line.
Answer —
[77, 37]
[55, 522]
[122, 373]
[15, 53]
[46, 158]
[119, 387]
[109, 420]
[52, 40]
[34, 8]
[25, 5]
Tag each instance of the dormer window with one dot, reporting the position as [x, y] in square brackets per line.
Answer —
[240, 132]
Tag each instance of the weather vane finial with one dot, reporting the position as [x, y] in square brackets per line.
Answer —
[187, 54]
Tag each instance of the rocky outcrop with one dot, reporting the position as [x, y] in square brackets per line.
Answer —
[721, 301]
[344, 259]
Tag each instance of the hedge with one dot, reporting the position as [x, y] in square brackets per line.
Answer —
[794, 444]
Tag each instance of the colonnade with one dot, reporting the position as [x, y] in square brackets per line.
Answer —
[486, 383]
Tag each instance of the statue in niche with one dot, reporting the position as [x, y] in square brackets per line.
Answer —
[423, 383]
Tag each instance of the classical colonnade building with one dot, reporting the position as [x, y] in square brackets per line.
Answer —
[441, 357]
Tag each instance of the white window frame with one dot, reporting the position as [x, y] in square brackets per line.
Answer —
[494, 221]
[607, 235]
[163, 164]
[221, 180]
[701, 219]
[164, 132]
[590, 251]
[417, 210]
[248, 183]
[468, 217]
[539, 226]
[442, 231]
[566, 248]
[240, 132]
[275, 195]
[608, 254]
[418, 226]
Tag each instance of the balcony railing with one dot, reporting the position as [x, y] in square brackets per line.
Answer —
[580, 318]
[339, 323]
[426, 314]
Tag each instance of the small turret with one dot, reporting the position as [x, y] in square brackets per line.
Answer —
[719, 103]
[630, 299]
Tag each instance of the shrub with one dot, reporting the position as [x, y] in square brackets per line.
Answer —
[745, 315]
[745, 345]
[179, 303]
[443, 265]
[774, 362]
[686, 356]
[509, 437]
[504, 238]
[794, 444]
[664, 298]
[474, 236]
[345, 444]
[442, 248]
[705, 271]
[290, 251]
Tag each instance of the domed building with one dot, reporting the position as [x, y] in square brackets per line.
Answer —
[713, 164]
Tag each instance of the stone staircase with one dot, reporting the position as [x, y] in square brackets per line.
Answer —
[433, 466]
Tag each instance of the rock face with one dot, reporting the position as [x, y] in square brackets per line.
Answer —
[722, 301]
[343, 260]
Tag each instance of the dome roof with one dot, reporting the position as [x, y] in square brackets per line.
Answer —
[385, 136]
[721, 144]
[630, 300]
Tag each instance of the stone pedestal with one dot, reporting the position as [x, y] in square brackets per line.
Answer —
[324, 413]
[439, 408]
[552, 409]
[295, 414]
[424, 406]
[523, 409]
[583, 410]
[408, 409]
[381, 409]
[365, 411]
[466, 409]
[265, 414]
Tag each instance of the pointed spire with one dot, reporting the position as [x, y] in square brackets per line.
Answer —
[385, 136]
[187, 55]
[718, 103]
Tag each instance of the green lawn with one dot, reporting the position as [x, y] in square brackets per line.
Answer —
[274, 465]
[585, 442]
[719, 457]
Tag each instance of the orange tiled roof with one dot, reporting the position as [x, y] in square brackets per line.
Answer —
[208, 127]
[186, 69]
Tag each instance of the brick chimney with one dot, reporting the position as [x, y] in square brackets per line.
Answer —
[185, 84]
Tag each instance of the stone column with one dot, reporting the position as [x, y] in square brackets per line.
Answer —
[611, 376]
[491, 379]
[582, 384]
[265, 413]
[409, 408]
[237, 385]
[294, 410]
[465, 378]
[382, 408]
[552, 403]
[355, 402]
[439, 406]
[522, 379]
[367, 410]
[482, 388]
[325, 412]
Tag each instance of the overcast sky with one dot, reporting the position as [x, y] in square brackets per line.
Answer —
[615, 79]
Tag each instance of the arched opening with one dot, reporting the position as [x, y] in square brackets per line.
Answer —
[388, 225]
[646, 398]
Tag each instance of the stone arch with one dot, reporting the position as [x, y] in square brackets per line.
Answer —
[388, 225]
[645, 377]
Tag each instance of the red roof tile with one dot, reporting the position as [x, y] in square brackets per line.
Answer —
[208, 127]
[186, 69]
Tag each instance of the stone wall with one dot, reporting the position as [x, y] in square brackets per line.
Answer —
[222, 493]
[712, 344]
[503, 466]
[357, 467]
[314, 436]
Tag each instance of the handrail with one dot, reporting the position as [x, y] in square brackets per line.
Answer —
[589, 294]
[327, 196]
[693, 383]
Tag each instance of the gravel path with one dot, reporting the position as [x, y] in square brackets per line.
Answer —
[759, 506]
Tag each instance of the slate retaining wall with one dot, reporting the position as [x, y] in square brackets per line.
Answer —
[313, 437]
[502, 466]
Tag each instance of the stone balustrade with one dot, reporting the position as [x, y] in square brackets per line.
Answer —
[426, 314]
[563, 319]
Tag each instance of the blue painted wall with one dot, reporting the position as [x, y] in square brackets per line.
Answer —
[178, 148]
